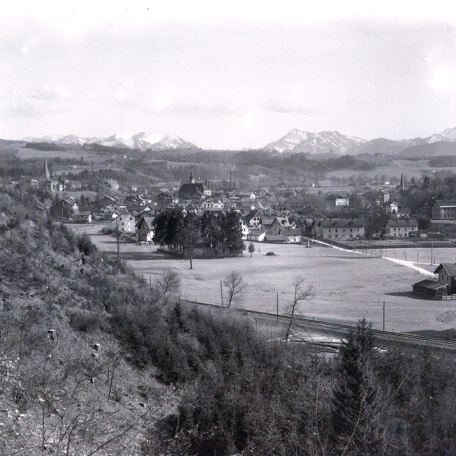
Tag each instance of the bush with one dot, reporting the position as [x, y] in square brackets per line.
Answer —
[85, 245]
[86, 322]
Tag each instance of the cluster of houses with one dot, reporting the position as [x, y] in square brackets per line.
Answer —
[260, 219]
[265, 214]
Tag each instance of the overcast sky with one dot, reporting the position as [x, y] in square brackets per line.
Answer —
[227, 74]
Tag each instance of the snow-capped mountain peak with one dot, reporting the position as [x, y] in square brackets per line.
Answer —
[315, 143]
[449, 133]
[142, 141]
[289, 141]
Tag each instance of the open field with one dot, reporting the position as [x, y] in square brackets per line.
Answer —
[348, 286]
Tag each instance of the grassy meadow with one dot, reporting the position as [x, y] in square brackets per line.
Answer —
[347, 286]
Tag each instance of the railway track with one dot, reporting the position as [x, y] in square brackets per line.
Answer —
[384, 338]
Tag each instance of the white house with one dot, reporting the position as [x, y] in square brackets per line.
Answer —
[126, 223]
[212, 205]
[340, 229]
[244, 228]
[401, 228]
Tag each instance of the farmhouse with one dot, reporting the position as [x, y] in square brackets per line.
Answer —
[445, 284]
[212, 205]
[66, 208]
[338, 200]
[341, 229]
[391, 207]
[126, 223]
[279, 224]
[447, 276]
[401, 228]
[293, 235]
[83, 217]
[256, 235]
[444, 209]
[276, 238]
[430, 289]
[145, 229]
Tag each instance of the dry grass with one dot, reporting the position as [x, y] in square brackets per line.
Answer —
[347, 286]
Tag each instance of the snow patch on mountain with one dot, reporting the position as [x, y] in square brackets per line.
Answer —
[142, 141]
[315, 143]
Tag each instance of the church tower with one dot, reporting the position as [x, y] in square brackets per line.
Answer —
[46, 170]
[192, 179]
[403, 182]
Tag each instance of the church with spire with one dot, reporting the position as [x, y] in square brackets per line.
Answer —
[193, 190]
[54, 185]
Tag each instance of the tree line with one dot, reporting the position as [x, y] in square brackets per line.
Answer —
[220, 233]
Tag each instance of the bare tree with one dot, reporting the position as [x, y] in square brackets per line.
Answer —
[169, 282]
[234, 288]
[301, 293]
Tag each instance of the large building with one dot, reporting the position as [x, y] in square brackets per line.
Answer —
[401, 228]
[339, 229]
[444, 210]
[193, 190]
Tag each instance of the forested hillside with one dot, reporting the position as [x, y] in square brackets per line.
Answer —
[95, 361]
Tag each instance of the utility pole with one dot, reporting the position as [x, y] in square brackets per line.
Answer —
[384, 315]
[221, 292]
[277, 306]
[432, 252]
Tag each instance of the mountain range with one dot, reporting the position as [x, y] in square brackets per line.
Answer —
[333, 142]
[324, 143]
[141, 141]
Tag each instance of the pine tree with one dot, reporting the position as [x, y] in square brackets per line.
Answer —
[356, 413]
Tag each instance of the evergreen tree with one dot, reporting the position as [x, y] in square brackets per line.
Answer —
[356, 413]
[232, 233]
[190, 235]
[210, 229]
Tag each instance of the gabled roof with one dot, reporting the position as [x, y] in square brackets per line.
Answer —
[267, 220]
[429, 284]
[276, 237]
[257, 232]
[333, 197]
[147, 220]
[291, 231]
[283, 221]
[446, 203]
[338, 222]
[402, 223]
[450, 269]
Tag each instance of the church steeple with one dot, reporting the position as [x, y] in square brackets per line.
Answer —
[192, 180]
[402, 184]
[46, 170]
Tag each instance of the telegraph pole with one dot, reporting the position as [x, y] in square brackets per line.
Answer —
[277, 306]
[221, 292]
[383, 315]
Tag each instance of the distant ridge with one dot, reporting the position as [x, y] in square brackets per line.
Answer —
[314, 143]
[142, 141]
[300, 141]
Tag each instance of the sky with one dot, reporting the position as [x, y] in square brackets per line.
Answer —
[227, 74]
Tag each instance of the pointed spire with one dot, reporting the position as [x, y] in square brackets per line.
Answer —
[402, 185]
[46, 170]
